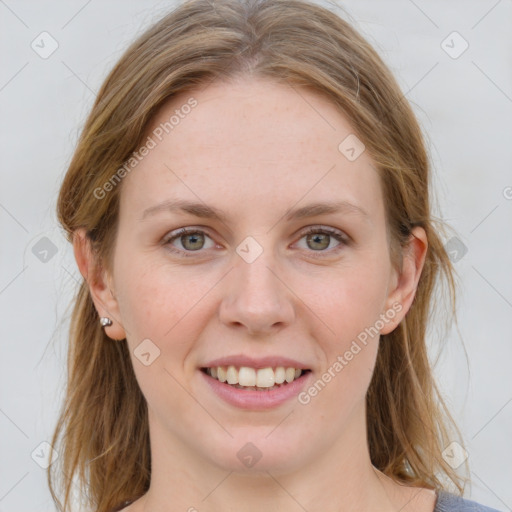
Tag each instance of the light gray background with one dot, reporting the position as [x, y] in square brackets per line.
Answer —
[464, 105]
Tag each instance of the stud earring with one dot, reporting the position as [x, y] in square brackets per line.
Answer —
[105, 321]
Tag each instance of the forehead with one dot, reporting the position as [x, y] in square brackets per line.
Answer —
[254, 144]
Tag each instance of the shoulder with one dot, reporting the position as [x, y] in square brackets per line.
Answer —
[448, 502]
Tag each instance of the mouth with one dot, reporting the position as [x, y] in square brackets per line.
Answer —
[255, 379]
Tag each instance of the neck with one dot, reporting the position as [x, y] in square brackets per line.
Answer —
[340, 478]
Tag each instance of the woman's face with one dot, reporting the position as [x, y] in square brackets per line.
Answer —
[248, 169]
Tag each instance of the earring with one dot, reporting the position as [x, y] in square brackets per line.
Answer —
[105, 321]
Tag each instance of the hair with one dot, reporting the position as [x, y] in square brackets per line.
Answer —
[103, 423]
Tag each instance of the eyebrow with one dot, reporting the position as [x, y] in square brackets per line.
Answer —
[204, 211]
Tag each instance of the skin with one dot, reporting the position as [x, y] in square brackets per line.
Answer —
[256, 149]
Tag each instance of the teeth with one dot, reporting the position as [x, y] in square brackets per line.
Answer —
[290, 374]
[232, 375]
[221, 373]
[246, 376]
[262, 378]
[280, 375]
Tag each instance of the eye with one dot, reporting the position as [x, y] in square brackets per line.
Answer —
[190, 239]
[320, 239]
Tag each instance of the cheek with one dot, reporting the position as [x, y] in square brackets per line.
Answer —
[161, 304]
[347, 301]
[157, 299]
[350, 306]
[143, 302]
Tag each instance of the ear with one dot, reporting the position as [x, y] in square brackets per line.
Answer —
[100, 284]
[404, 283]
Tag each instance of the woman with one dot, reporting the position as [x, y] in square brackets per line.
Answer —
[249, 208]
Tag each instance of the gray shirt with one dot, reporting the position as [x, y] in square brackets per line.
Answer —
[447, 502]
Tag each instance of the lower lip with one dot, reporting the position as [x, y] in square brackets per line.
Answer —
[257, 400]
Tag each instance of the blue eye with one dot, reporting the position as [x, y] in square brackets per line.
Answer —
[319, 239]
[192, 240]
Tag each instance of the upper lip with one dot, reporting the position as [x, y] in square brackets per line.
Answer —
[256, 362]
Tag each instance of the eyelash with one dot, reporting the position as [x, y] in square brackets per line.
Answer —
[338, 235]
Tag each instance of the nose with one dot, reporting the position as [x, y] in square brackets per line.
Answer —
[257, 297]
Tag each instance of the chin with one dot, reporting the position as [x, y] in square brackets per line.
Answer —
[260, 451]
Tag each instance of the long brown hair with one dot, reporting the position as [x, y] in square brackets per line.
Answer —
[103, 427]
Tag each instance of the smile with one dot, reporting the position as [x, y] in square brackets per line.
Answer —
[261, 379]
[246, 387]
